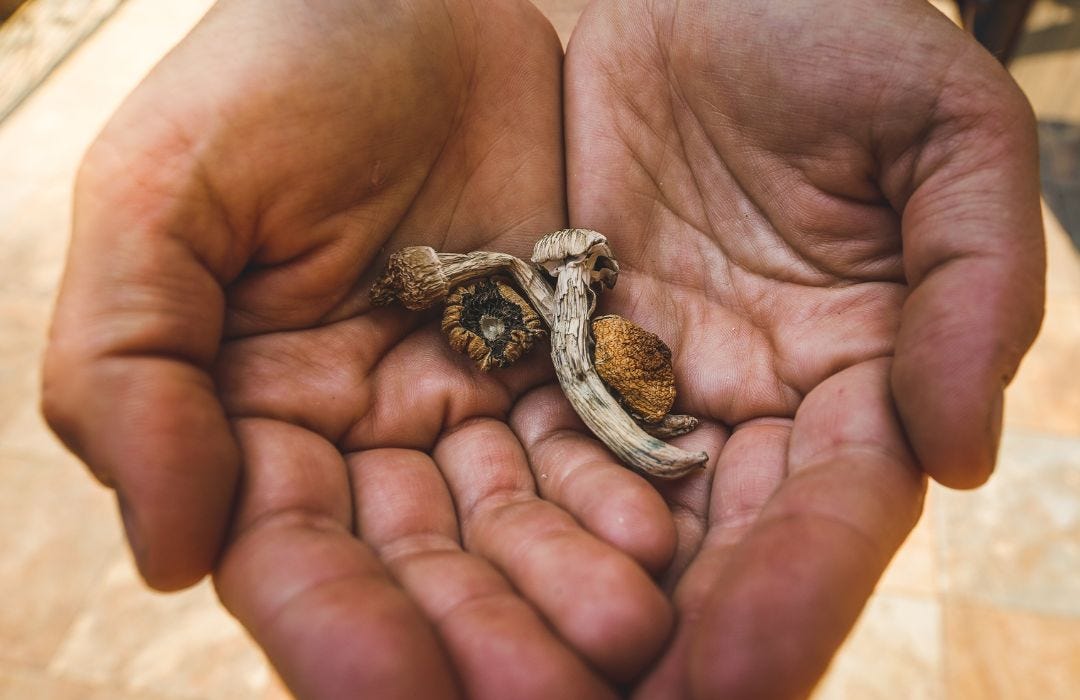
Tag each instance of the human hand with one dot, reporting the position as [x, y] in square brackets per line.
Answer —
[830, 211]
[213, 357]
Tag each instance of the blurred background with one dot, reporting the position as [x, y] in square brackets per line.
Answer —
[983, 601]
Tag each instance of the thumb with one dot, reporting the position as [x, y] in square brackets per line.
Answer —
[975, 259]
[126, 376]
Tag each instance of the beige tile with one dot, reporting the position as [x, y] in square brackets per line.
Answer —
[57, 531]
[913, 570]
[1062, 259]
[563, 15]
[895, 651]
[1016, 541]
[183, 644]
[22, 336]
[997, 653]
[59, 119]
[23, 432]
[1046, 65]
[1045, 395]
[33, 254]
[41, 143]
[20, 683]
[948, 8]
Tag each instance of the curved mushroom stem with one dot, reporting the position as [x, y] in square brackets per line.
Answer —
[420, 276]
[463, 267]
[573, 361]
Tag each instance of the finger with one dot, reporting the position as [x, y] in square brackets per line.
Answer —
[496, 641]
[315, 598]
[750, 468]
[787, 595]
[125, 382]
[580, 475]
[974, 256]
[596, 597]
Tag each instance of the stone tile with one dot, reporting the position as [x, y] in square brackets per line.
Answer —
[1047, 61]
[948, 8]
[22, 337]
[1016, 541]
[33, 255]
[19, 683]
[182, 644]
[1045, 396]
[23, 432]
[895, 651]
[998, 653]
[42, 142]
[1062, 258]
[57, 532]
[563, 15]
[913, 570]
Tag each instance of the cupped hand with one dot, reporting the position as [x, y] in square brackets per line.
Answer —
[368, 514]
[830, 212]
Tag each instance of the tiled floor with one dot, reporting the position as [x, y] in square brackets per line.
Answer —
[982, 602]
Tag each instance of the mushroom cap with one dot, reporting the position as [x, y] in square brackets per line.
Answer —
[414, 276]
[577, 244]
[490, 322]
[636, 365]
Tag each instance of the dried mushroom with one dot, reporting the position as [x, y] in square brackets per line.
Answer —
[414, 276]
[487, 319]
[636, 365]
[581, 262]
[490, 322]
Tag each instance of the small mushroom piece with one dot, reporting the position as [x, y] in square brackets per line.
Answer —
[636, 364]
[578, 259]
[490, 322]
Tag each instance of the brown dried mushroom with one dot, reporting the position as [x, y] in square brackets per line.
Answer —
[582, 263]
[490, 322]
[636, 365]
[481, 320]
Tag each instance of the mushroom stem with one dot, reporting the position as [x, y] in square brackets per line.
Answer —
[463, 267]
[420, 276]
[586, 391]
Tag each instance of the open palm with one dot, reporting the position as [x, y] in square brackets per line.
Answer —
[215, 316]
[831, 214]
[397, 523]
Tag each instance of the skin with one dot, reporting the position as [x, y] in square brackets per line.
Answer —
[388, 522]
[859, 184]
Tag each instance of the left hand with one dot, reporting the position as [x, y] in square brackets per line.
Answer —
[830, 210]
